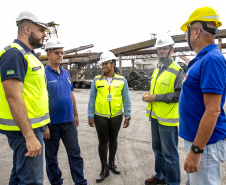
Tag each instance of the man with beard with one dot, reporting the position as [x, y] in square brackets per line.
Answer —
[162, 111]
[24, 100]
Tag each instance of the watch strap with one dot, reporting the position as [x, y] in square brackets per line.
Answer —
[196, 149]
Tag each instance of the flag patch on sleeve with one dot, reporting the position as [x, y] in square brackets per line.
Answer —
[10, 72]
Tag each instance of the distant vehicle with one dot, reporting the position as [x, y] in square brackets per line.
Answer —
[139, 80]
[82, 75]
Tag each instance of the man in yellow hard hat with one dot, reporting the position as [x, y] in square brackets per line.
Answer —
[202, 121]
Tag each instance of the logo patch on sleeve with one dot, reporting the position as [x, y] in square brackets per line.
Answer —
[10, 72]
[68, 79]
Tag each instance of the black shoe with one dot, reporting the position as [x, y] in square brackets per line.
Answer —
[154, 181]
[104, 173]
[113, 168]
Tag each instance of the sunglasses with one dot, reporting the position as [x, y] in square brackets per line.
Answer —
[105, 63]
[58, 53]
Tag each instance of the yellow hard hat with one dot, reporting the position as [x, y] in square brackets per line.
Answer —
[205, 13]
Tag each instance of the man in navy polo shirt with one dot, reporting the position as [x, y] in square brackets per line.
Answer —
[63, 118]
[201, 114]
[24, 100]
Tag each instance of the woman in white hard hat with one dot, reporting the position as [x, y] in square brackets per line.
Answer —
[108, 93]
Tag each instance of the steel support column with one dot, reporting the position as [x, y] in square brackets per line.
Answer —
[120, 64]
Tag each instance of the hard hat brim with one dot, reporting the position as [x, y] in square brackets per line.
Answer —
[43, 25]
[184, 27]
[52, 48]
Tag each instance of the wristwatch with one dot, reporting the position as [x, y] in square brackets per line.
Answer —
[128, 118]
[196, 149]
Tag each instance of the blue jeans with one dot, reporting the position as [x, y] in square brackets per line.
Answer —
[26, 170]
[69, 135]
[210, 165]
[164, 145]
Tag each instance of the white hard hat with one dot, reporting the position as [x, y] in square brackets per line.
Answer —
[53, 43]
[29, 16]
[164, 40]
[106, 56]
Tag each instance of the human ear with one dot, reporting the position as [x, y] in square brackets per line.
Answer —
[27, 29]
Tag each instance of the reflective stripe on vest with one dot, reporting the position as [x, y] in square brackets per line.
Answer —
[34, 94]
[166, 113]
[164, 120]
[11, 122]
[102, 106]
[108, 115]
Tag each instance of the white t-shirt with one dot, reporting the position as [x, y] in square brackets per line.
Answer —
[109, 79]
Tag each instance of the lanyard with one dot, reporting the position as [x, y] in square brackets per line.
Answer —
[109, 88]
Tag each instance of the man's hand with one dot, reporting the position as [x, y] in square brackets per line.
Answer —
[46, 134]
[192, 162]
[126, 123]
[149, 98]
[91, 122]
[34, 147]
[76, 120]
[144, 95]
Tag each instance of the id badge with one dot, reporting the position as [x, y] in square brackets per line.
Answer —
[109, 98]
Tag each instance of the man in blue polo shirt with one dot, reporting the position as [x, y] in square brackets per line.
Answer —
[63, 118]
[201, 114]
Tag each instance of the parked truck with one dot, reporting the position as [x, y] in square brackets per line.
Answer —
[82, 75]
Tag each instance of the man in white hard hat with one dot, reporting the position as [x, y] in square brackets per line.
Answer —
[24, 100]
[162, 111]
[63, 118]
[202, 116]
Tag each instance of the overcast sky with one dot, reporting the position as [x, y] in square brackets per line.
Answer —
[107, 24]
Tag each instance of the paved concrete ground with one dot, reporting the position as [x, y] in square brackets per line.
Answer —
[134, 156]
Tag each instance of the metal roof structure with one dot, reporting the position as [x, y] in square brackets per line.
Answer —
[139, 50]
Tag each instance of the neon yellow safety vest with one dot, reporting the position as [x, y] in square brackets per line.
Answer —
[34, 94]
[166, 113]
[104, 107]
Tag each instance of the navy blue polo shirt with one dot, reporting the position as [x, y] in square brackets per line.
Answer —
[206, 73]
[60, 101]
[14, 61]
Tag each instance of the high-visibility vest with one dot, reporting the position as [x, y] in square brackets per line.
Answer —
[166, 113]
[34, 94]
[104, 107]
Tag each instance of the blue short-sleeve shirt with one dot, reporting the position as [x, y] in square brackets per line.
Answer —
[206, 73]
[60, 101]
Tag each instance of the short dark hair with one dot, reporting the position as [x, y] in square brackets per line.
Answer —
[24, 20]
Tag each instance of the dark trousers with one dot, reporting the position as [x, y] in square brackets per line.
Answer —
[164, 144]
[107, 131]
[26, 170]
[69, 135]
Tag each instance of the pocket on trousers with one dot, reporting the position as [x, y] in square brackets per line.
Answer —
[221, 148]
